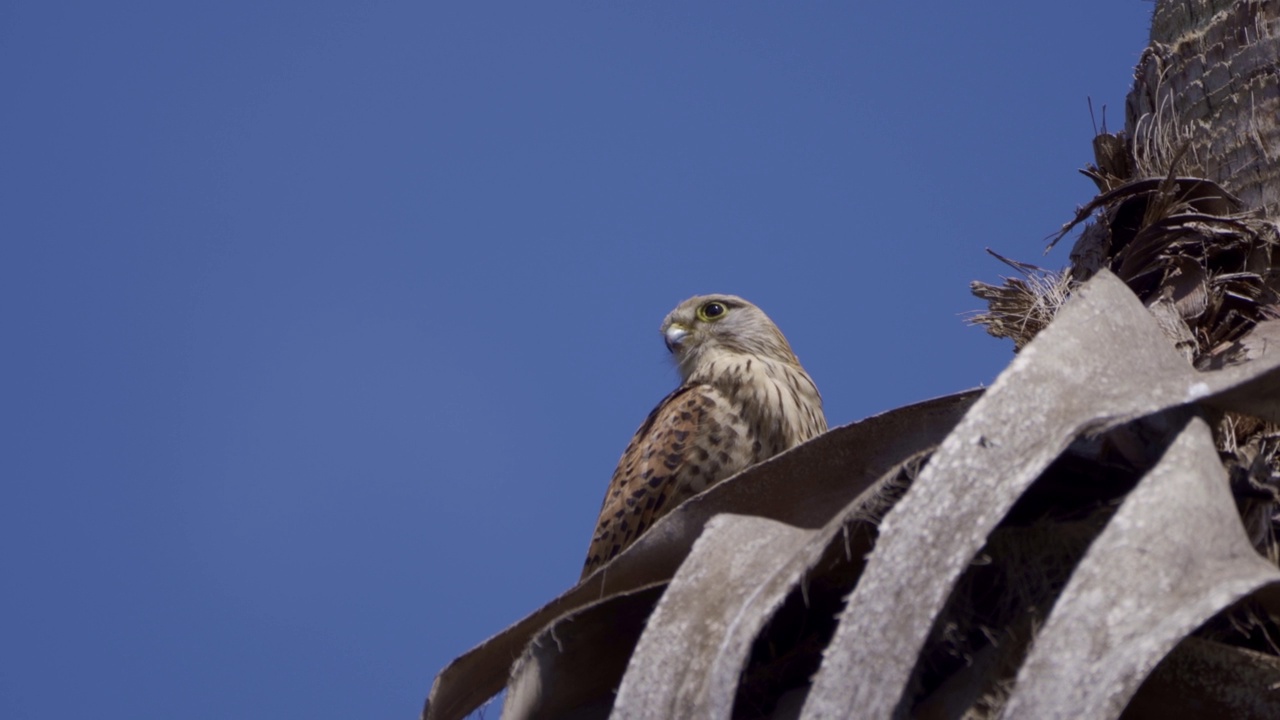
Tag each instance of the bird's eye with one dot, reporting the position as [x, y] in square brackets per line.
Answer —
[712, 311]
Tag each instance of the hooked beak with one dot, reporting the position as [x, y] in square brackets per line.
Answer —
[674, 335]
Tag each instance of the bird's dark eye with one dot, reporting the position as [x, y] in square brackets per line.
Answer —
[712, 311]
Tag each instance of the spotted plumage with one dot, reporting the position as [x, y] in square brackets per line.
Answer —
[744, 398]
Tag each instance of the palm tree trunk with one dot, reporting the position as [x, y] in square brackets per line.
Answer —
[1207, 90]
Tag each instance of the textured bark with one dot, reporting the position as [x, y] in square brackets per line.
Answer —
[697, 641]
[1209, 83]
[1207, 679]
[1142, 588]
[1101, 363]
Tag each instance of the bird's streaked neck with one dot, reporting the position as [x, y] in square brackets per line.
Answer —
[712, 366]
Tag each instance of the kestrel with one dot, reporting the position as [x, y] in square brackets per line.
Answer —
[744, 398]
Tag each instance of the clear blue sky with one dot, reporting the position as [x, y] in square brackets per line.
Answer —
[324, 323]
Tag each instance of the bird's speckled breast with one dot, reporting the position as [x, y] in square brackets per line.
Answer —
[778, 401]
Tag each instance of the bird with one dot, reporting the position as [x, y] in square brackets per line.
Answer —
[743, 398]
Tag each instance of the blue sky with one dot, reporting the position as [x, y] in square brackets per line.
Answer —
[325, 323]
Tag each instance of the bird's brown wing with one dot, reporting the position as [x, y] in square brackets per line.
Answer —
[653, 474]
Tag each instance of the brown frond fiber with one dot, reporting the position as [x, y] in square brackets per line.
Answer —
[1021, 307]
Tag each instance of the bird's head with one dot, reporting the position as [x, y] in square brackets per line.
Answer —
[704, 328]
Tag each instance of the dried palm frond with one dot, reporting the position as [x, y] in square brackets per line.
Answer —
[1208, 270]
[1021, 307]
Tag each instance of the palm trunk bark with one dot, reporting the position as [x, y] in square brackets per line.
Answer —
[1206, 97]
